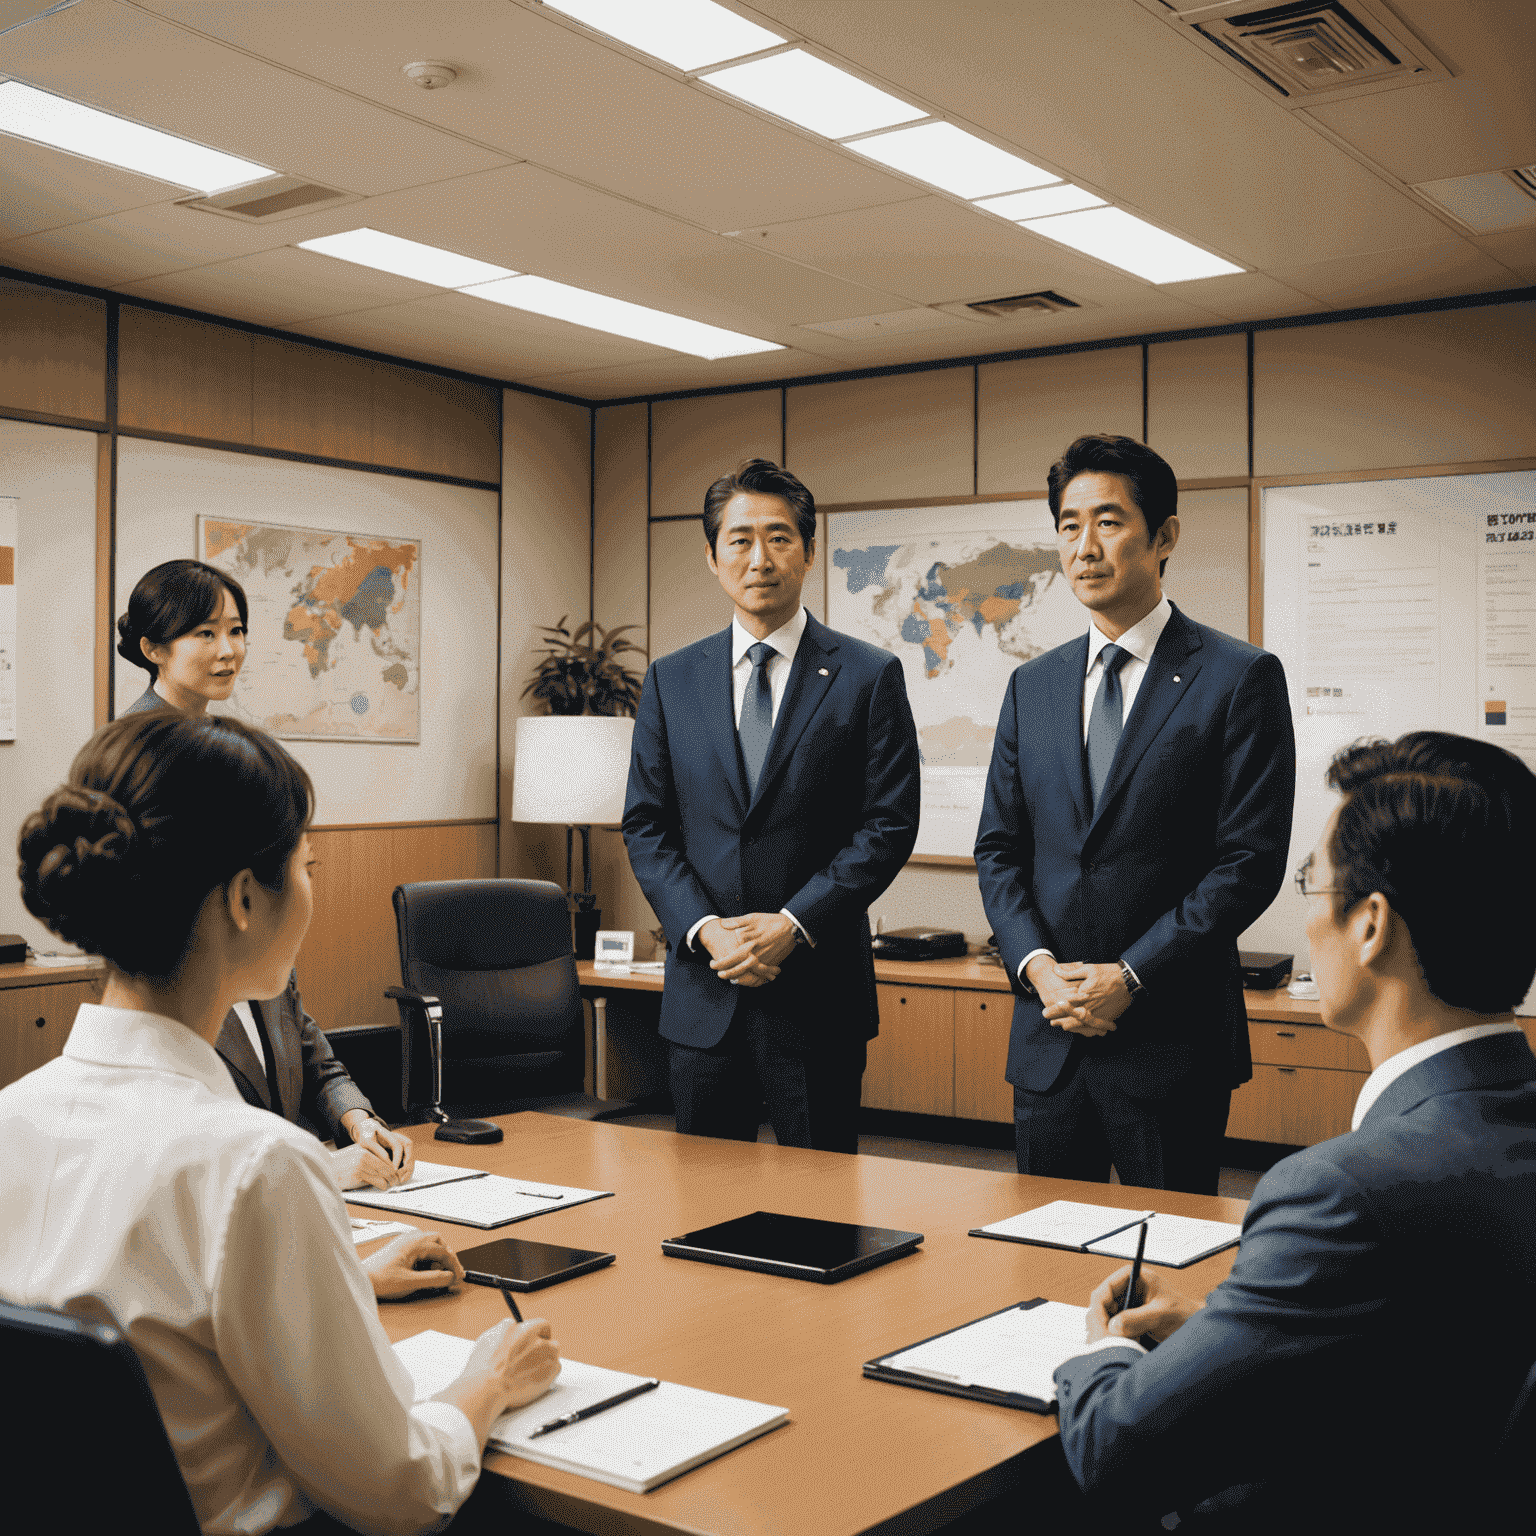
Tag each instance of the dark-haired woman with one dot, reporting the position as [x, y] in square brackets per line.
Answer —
[136, 1178]
[185, 625]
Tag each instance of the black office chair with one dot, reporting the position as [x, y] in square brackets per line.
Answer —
[489, 975]
[65, 1373]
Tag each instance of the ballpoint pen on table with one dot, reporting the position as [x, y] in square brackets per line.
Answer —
[586, 1413]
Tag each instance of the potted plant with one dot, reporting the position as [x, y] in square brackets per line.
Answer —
[582, 672]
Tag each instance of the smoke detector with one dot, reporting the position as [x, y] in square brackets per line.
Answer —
[430, 74]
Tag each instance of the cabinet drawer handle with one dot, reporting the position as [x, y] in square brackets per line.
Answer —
[1288, 1071]
[902, 1001]
[42, 1023]
[1285, 1034]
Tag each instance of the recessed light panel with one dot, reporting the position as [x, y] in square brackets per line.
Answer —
[406, 258]
[816, 95]
[29, 113]
[687, 34]
[1133, 245]
[948, 157]
[598, 312]
[1019, 206]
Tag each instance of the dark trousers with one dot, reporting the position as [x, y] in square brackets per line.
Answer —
[1089, 1122]
[811, 1098]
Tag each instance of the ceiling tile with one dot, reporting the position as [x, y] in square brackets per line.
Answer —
[44, 189]
[123, 60]
[1513, 248]
[1388, 277]
[683, 373]
[275, 287]
[629, 127]
[1245, 296]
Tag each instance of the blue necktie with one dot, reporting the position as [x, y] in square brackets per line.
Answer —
[756, 714]
[1107, 719]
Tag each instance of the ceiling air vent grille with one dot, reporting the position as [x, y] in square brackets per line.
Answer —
[274, 197]
[1045, 302]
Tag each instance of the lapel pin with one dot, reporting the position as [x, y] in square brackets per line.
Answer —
[1177, 678]
[822, 671]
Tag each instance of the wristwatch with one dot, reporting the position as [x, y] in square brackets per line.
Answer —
[1128, 976]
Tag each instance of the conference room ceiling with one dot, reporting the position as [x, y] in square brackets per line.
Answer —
[565, 154]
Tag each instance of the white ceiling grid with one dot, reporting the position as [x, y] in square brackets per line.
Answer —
[565, 154]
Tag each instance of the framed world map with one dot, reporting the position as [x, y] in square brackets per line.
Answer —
[962, 594]
[334, 647]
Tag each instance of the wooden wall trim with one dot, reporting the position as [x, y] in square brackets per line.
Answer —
[1255, 565]
[106, 544]
[388, 826]
[1404, 472]
[49, 419]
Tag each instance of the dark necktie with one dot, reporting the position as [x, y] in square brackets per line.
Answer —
[1107, 719]
[276, 1104]
[756, 714]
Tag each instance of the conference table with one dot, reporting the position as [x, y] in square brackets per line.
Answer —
[857, 1456]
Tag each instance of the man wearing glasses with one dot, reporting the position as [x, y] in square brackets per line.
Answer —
[1137, 819]
[1359, 1369]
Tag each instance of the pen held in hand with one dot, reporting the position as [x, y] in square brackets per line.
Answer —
[595, 1408]
[1131, 1284]
[511, 1303]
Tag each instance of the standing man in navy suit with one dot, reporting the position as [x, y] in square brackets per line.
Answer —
[1356, 1370]
[773, 795]
[1137, 819]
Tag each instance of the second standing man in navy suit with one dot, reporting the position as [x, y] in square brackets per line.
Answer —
[773, 795]
[1137, 819]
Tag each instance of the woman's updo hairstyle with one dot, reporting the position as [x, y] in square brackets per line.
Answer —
[157, 811]
[170, 600]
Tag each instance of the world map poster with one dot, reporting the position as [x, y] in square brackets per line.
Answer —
[962, 594]
[334, 646]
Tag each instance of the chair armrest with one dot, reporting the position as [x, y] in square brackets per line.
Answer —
[423, 1009]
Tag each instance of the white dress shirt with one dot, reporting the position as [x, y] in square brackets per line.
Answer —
[1140, 640]
[137, 1180]
[248, 1022]
[785, 641]
[1394, 1066]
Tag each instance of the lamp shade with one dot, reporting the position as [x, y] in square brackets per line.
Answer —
[571, 769]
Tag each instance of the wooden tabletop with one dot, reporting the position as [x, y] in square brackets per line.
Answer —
[28, 973]
[858, 1456]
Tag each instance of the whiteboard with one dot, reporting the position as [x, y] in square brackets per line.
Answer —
[451, 774]
[1397, 605]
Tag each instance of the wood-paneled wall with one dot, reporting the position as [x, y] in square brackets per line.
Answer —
[351, 954]
[53, 351]
[198, 379]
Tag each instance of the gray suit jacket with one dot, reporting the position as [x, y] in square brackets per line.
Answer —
[149, 699]
[313, 1086]
[1355, 1369]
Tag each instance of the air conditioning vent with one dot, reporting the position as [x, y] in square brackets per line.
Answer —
[1045, 302]
[1312, 51]
[274, 197]
[1526, 176]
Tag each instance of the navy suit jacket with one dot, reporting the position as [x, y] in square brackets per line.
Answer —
[833, 820]
[1361, 1358]
[1185, 848]
[314, 1088]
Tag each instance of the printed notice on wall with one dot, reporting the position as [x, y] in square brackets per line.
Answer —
[10, 512]
[1506, 630]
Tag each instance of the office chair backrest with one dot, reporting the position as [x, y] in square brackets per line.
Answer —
[85, 1435]
[497, 954]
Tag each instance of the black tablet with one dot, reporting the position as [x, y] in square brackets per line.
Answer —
[799, 1247]
[515, 1265]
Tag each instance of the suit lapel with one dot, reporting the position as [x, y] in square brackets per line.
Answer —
[1065, 725]
[287, 1073]
[1173, 668]
[234, 1045]
[717, 714]
[810, 676]
[1491, 1062]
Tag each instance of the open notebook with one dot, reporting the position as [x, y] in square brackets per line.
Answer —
[1173, 1241]
[485, 1200]
[638, 1445]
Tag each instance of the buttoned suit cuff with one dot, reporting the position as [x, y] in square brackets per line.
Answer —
[1110, 1341]
[693, 933]
[804, 931]
[1024, 980]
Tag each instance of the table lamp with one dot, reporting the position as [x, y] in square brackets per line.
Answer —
[571, 771]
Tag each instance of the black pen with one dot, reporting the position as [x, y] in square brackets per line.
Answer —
[1130, 1285]
[507, 1296]
[586, 1413]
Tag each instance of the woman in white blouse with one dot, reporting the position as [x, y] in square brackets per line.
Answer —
[138, 1181]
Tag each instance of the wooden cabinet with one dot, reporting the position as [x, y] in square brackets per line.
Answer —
[912, 1060]
[981, 1053]
[35, 1022]
[1295, 1106]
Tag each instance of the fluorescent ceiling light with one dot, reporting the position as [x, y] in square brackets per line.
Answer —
[814, 94]
[1042, 201]
[1133, 245]
[406, 258]
[29, 113]
[951, 158]
[687, 34]
[596, 311]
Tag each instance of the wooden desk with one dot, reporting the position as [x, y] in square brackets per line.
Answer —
[858, 1456]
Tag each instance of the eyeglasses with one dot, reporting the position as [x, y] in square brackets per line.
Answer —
[1304, 874]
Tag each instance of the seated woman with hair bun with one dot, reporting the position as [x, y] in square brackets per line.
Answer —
[186, 626]
[138, 1180]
